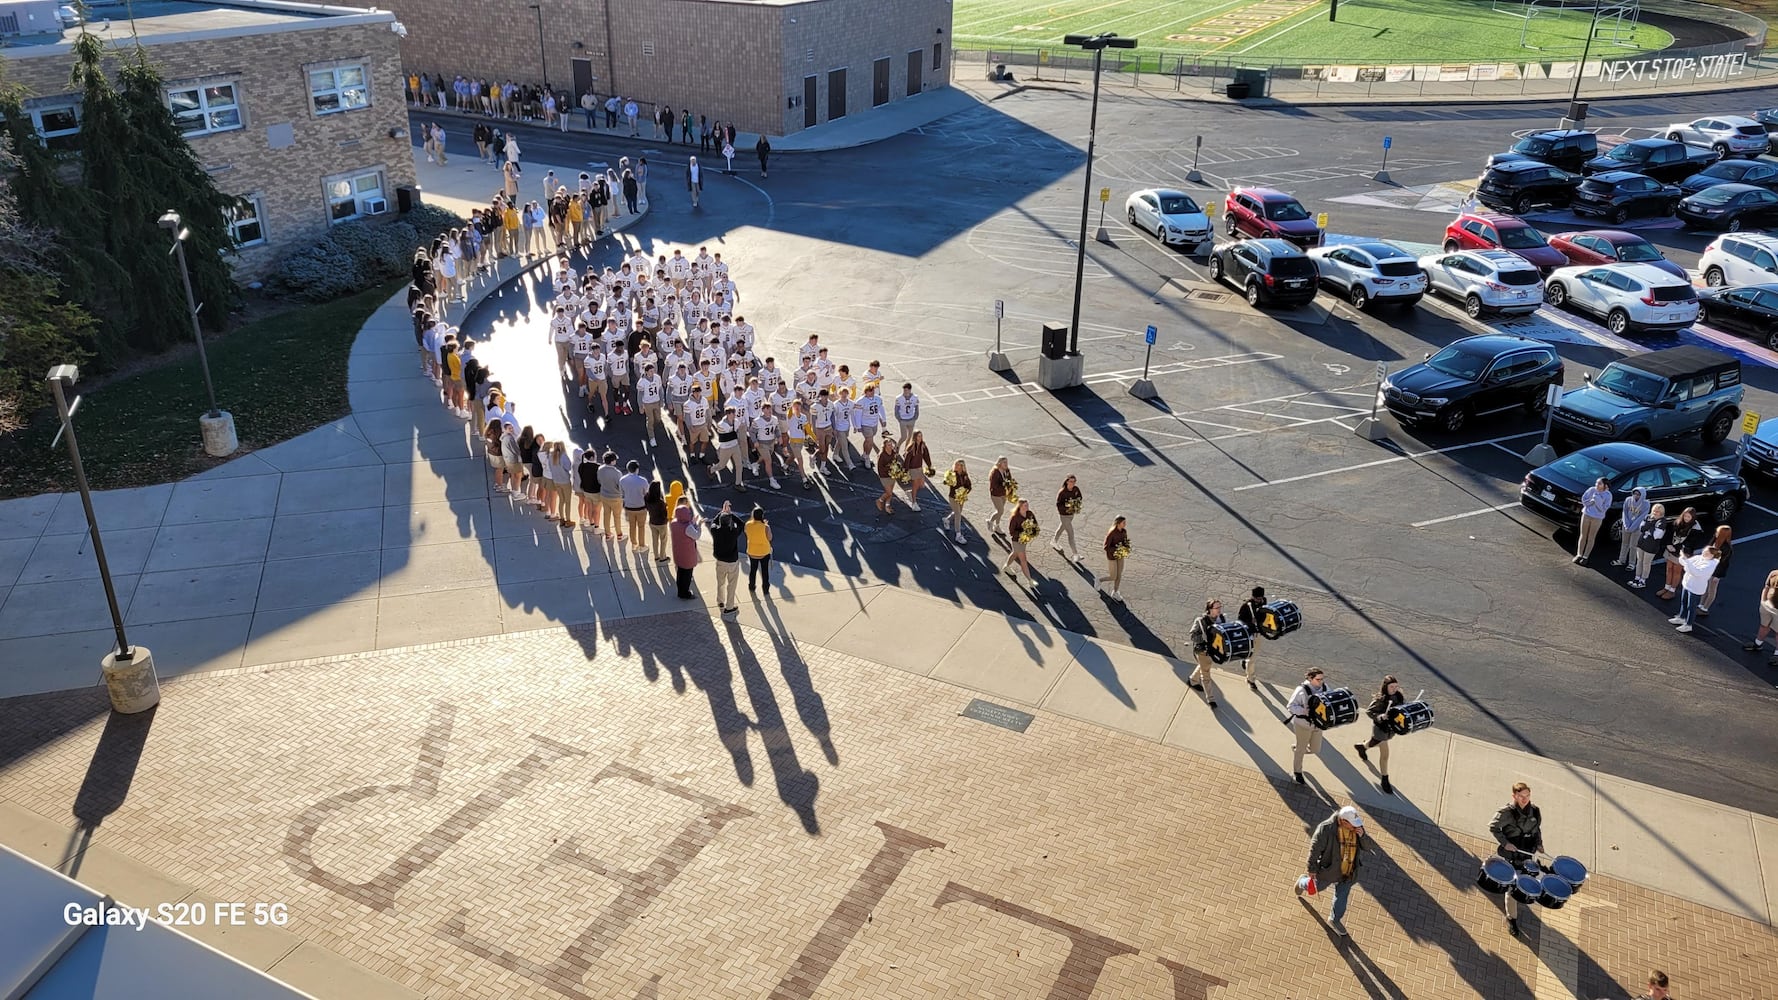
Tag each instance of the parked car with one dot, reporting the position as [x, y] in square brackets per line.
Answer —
[68, 15]
[1741, 259]
[1662, 159]
[1750, 310]
[1486, 281]
[1727, 135]
[1263, 213]
[1629, 298]
[1474, 377]
[1611, 246]
[1268, 271]
[1488, 231]
[1768, 118]
[1730, 207]
[1521, 185]
[1565, 149]
[1172, 216]
[1371, 272]
[1756, 172]
[1762, 450]
[1619, 194]
[1553, 491]
[1654, 396]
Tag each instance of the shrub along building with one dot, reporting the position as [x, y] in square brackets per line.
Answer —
[772, 66]
[296, 108]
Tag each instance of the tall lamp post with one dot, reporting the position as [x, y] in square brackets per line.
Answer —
[128, 670]
[1096, 44]
[1574, 104]
[217, 427]
[542, 57]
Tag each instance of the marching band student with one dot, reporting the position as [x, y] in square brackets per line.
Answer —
[1388, 697]
[611, 496]
[1023, 528]
[564, 483]
[1248, 614]
[1067, 505]
[957, 492]
[1201, 679]
[1518, 832]
[586, 477]
[547, 469]
[1308, 738]
[1117, 549]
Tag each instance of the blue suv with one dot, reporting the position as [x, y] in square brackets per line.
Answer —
[1653, 397]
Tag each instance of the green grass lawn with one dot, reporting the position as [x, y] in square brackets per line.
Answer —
[280, 376]
[1368, 31]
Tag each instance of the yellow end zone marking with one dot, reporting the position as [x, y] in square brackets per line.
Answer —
[1262, 13]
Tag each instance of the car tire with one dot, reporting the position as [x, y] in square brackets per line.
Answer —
[1131, 215]
[1522, 205]
[1538, 402]
[1451, 246]
[1455, 419]
[1670, 209]
[1617, 529]
[1772, 340]
[1472, 306]
[1618, 322]
[1725, 509]
[1720, 425]
[1734, 226]
[1254, 295]
[1713, 277]
[1703, 314]
[1722, 149]
[1619, 214]
[1556, 294]
[1358, 297]
[1674, 137]
[1229, 226]
[1215, 268]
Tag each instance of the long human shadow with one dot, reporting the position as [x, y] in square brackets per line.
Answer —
[810, 707]
[798, 786]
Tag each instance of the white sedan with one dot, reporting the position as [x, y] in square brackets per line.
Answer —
[1368, 272]
[1729, 135]
[1172, 216]
[1628, 297]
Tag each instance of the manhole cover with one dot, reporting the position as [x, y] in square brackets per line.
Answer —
[1206, 295]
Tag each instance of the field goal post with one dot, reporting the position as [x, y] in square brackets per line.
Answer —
[1613, 21]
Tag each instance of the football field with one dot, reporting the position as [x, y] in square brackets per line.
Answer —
[1379, 31]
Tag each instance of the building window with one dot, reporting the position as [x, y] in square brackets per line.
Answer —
[938, 49]
[56, 125]
[342, 88]
[206, 109]
[246, 222]
[350, 196]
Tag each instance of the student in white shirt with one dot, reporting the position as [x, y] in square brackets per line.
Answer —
[907, 410]
[580, 344]
[806, 354]
[598, 398]
[679, 268]
[842, 429]
[650, 393]
[767, 429]
[679, 387]
[796, 440]
[821, 420]
[694, 417]
[770, 376]
[845, 381]
[617, 370]
[868, 415]
[645, 357]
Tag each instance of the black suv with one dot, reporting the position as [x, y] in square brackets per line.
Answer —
[1619, 194]
[1269, 271]
[1519, 185]
[1474, 377]
[1567, 149]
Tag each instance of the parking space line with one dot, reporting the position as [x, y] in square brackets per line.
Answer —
[1380, 461]
[1509, 451]
[1763, 510]
[1261, 413]
[1469, 513]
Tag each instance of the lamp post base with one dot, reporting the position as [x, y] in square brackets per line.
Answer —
[997, 362]
[1143, 389]
[1061, 373]
[131, 683]
[218, 433]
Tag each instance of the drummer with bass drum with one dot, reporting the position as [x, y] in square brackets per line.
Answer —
[1387, 699]
[1204, 632]
[1518, 830]
[1308, 736]
[1249, 613]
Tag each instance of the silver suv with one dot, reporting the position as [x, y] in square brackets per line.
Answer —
[1486, 281]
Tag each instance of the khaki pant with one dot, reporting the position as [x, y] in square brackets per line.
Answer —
[651, 418]
[1247, 664]
[657, 534]
[1066, 527]
[1709, 594]
[1626, 552]
[611, 515]
[728, 574]
[1203, 676]
[1589, 533]
[727, 457]
[999, 512]
[1308, 740]
[1114, 572]
[638, 520]
[956, 518]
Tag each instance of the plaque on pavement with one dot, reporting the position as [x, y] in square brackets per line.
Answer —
[998, 715]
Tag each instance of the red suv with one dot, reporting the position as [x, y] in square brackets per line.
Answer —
[1263, 213]
[1488, 231]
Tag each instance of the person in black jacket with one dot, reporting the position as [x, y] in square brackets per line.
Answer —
[1388, 696]
[1248, 614]
[1685, 537]
[631, 189]
[725, 545]
[1725, 548]
[1518, 832]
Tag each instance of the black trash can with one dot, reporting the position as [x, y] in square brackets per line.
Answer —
[407, 198]
[1239, 91]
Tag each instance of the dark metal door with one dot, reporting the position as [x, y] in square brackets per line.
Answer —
[836, 94]
[879, 83]
[916, 62]
[583, 79]
[809, 98]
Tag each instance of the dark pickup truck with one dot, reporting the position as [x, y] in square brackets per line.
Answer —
[1662, 159]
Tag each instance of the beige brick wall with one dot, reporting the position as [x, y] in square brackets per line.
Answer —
[732, 61]
[270, 71]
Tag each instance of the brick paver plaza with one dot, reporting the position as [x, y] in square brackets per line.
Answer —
[672, 806]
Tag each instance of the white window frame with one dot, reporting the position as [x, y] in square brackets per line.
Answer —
[202, 115]
[338, 91]
[37, 112]
[355, 195]
[257, 218]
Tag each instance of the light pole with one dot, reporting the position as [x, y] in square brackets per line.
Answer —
[129, 670]
[542, 57]
[218, 428]
[1585, 50]
[1097, 44]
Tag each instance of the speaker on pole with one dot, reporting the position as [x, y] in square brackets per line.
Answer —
[1055, 341]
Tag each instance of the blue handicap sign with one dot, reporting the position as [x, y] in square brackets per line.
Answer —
[1150, 337]
[1385, 142]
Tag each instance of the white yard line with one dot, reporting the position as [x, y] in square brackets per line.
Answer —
[1380, 461]
[1469, 513]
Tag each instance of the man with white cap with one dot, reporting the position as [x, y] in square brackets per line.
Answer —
[1334, 850]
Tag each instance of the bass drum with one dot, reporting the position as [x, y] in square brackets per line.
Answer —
[1410, 717]
[1279, 618]
[1230, 641]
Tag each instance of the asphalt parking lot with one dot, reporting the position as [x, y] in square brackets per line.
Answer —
[1408, 556]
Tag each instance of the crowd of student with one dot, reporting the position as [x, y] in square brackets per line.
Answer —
[1695, 560]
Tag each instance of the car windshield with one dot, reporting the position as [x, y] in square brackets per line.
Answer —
[1459, 363]
[1582, 469]
[1629, 153]
[1629, 383]
[1638, 252]
[1734, 170]
[1178, 205]
[1714, 196]
[1285, 211]
[1533, 146]
[1521, 238]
